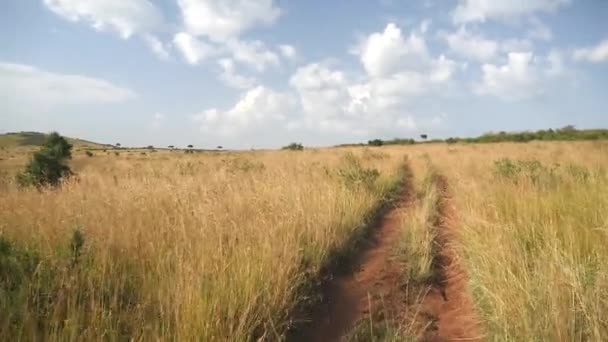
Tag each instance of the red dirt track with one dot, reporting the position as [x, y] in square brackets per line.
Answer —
[374, 285]
[348, 296]
[448, 304]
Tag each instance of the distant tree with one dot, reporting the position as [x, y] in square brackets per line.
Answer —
[150, 147]
[48, 166]
[190, 146]
[117, 144]
[219, 147]
[568, 128]
[375, 142]
[171, 146]
[294, 147]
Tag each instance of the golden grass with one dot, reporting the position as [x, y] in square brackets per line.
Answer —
[181, 247]
[216, 246]
[534, 241]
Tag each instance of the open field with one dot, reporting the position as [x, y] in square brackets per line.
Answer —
[221, 246]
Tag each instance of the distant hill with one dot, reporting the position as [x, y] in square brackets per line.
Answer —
[17, 139]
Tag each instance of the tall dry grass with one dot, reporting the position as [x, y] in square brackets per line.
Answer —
[533, 224]
[208, 247]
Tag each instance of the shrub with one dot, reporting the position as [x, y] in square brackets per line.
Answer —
[375, 142]
[48, 166]
[294, 147]
[354, 174]
[88, 153]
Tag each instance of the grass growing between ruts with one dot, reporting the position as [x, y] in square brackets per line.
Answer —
[533, 226]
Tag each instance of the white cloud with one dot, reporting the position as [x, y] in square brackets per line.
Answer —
[193, 49]
[159, 49]
[230, 77]
[124, 17]
[221, 20]
[482, 10]
[127, 18]
[472, 46]
[516, 45]
[383, 53]
[257, 106]
[516, 80]
[595, 54]
[27, 85]
[539, 30]
[288, 51]
[253, 53]
[323, 92]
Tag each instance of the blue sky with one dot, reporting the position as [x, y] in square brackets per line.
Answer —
[263, 73]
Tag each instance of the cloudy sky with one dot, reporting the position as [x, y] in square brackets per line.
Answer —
[263, 73]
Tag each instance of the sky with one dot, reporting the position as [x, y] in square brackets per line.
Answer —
[264, 73]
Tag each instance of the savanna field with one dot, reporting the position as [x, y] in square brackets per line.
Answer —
[229, 246]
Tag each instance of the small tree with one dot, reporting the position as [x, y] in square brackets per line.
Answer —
[118, 145]
[294, 147]
[375, 142]
[48, 165]
[219, 147]
[423, 136]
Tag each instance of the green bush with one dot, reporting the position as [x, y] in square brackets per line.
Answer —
[294, 147]
[353, 174]
[48, 166]
[375, 142]
[88, 153]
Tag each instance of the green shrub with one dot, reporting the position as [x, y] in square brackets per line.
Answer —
[88, 153]
[294, 147]
[48, 166]
[375, 142]
[354, 174]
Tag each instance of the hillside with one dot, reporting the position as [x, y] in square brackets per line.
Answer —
[9, 140]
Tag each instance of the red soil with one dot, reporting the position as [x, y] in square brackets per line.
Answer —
[374, 286]
[448, 304]
[368, 287]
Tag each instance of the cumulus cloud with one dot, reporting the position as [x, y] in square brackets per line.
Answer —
[160, 50]
[398, 70]
[193, 49]
[222, 20]
[471, 46]
[26, 85]
[231, 78]
[253, 53]
[517, 79]
[257, 106]
[124, 17]
[382, 53]
[594, 54]
[288, 51]
[539, 30]
[483, 10]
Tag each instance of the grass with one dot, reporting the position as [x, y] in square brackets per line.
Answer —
[217, 246]
[180, 246]
[533, 226]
